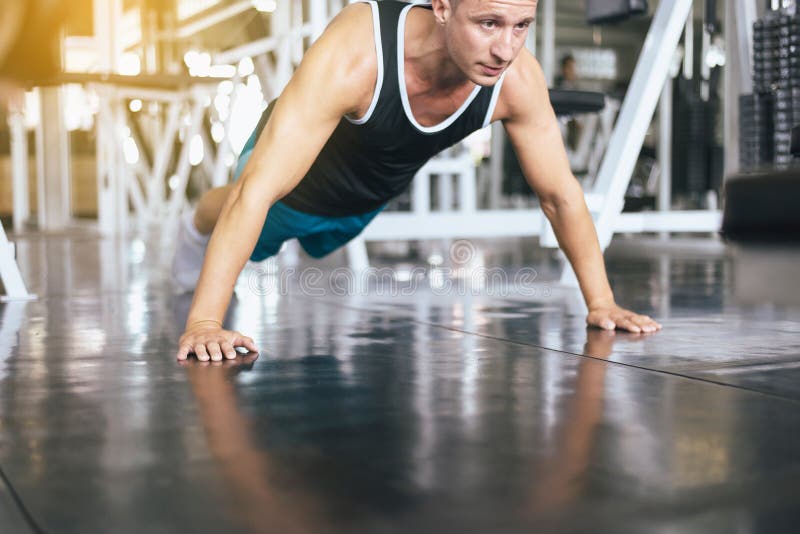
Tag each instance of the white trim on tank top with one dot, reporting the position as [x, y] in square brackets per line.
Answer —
[401, 75]
[493, 102]
[376, 27]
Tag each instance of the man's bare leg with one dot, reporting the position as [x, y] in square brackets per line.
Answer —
[209, 208]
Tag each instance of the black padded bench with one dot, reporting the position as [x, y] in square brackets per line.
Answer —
[566, 102]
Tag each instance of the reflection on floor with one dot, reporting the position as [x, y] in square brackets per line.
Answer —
[460, 395]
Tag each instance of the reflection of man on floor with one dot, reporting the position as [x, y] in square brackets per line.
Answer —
[261, 505]
[563, 477]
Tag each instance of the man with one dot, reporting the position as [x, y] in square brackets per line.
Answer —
[567, 80]
[387, 86]
[568, 76]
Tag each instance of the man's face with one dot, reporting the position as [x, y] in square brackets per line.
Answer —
[484, 36]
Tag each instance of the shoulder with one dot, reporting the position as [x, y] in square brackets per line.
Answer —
[348, 46]
[524, 93]
[345, 52]
[350, 36]
[354, 19]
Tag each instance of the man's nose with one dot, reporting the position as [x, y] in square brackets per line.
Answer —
[503, 46]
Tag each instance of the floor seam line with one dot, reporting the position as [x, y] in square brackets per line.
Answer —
[622, 364]
[579, 355]
[26, 514]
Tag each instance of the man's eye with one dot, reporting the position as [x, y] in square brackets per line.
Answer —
[488, 24]
[523, 25]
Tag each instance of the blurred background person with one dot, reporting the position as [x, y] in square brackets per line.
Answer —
[567, 80]
[568, 75]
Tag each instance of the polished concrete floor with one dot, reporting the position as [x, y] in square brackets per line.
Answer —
[457, 391]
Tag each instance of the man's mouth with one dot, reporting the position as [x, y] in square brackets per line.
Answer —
[491, 71]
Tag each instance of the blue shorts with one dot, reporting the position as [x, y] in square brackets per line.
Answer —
[318, 235]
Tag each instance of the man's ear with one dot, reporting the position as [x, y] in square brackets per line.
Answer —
[442, 10]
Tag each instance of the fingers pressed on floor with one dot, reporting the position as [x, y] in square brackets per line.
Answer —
[228, 350]
[631, 326]
[184, 351]
[215, 351]
[201, 353]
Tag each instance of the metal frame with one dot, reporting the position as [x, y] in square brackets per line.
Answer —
[523, 223]
[637, 110]
[118, 182]
[53, 191]
[12, 317]
[739, 19]
[152, 205]
[595, 135]
[19, 167]
[9, 272]
[189, 29]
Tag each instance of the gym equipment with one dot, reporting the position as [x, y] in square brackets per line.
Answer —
[611, 11]
[796, 141]
[762, 207]
[565, 103]
[574, 102]
[770, 113]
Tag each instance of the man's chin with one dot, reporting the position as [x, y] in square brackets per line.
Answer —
[485, 80]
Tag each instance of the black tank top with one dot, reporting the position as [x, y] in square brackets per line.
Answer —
[368, 161]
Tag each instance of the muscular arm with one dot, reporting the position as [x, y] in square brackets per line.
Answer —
[533, 130]
[335, 78]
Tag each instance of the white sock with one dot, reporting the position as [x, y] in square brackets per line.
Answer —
[190, 251]
[191, 229]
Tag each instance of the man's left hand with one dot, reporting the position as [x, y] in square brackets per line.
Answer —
[610, 317]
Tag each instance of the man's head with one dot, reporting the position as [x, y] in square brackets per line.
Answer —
[483, 37]
[568, 68]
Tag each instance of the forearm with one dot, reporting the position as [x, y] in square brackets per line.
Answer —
[229, 248]
[577, 237]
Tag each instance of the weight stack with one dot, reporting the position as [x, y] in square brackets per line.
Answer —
[788, 79]
[748, 142]
[784, 119]
[794, 83]
[796, 143]
[796, 104]
[764, 130]
[761, 79]
[769, 114]
[700, 121]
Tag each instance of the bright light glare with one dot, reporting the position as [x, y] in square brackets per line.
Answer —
[435, 259]
[217, 132]
[130, 64]
[715, 57]
[196, 151]
[246, 67]
[222, 71]
[131, 151]
[199, 63]
[226, 87]
[265, 6]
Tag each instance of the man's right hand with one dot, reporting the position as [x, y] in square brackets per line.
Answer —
[208, 340]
